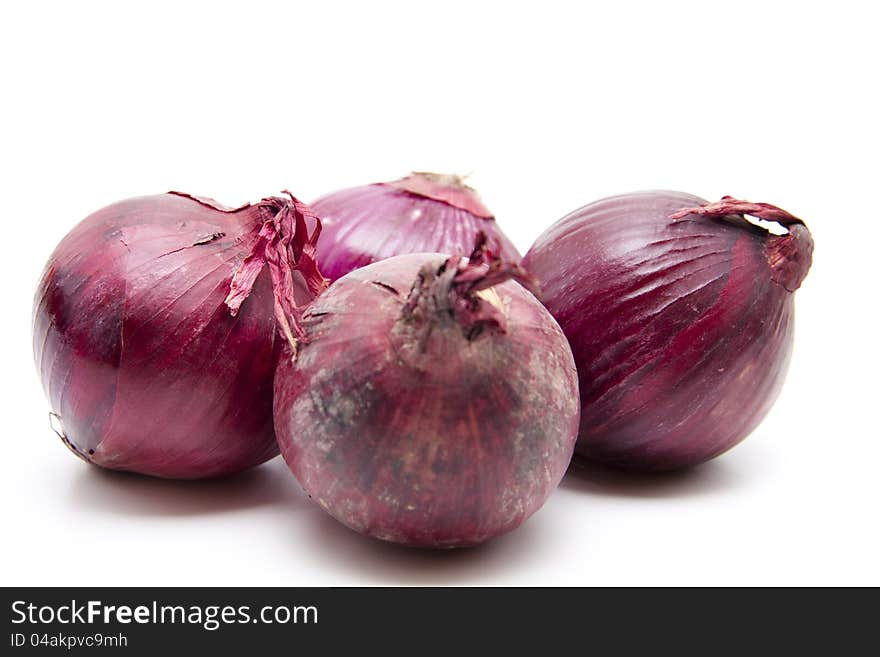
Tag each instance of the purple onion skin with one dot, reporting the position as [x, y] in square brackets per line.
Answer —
[681, 328]
[138, 354]
[422, 213]
[444, 445]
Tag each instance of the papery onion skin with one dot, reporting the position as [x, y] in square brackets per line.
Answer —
[421, 213]
[681, 325]
[415, 430]
[139, 354]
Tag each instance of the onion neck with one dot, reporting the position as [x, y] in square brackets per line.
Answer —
[446, 188]
[458, 299]
[789, 256]
[281, 243]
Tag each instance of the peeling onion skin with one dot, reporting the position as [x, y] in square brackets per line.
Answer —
[421, 213]
[681, 327]
[138, 353]
[443, 447]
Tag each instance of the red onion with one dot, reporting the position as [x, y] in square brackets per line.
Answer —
[680, 318]
[435, 403]
[154, 332]
[422, 213]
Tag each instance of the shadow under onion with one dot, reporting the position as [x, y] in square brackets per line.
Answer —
[374, 560]
[126, 493]
[596, 479]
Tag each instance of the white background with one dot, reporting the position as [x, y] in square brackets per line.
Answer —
[550, 105]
